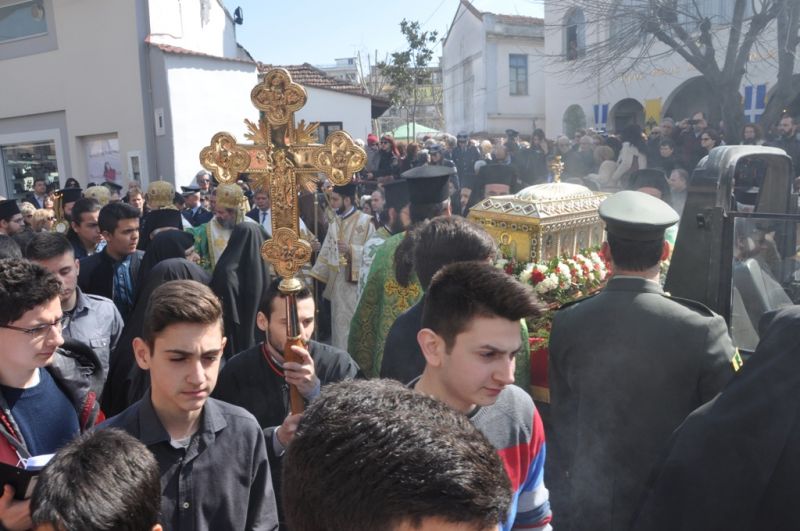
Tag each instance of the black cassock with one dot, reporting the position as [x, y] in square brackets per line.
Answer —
[402, 358]
[254, 381]
[734, 464]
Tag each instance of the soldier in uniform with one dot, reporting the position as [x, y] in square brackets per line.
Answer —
[194, 212]
[626, 367]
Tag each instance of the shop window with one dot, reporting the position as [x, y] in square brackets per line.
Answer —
[22, 20]
[25, 161]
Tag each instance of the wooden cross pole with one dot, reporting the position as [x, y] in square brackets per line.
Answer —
[282, 159]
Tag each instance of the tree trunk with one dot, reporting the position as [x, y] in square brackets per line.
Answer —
[732, 111]
[785, 90]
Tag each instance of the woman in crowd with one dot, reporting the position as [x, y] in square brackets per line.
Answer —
[710, 139]
[43, 219]
[632, 156]
[486, 149]
[27, 210]
[407, 162]
[606, 166]
[752, 135]
[72, 182]
[389, 162]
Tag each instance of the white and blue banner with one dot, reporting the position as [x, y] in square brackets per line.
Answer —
[755, 101]
[600, 116]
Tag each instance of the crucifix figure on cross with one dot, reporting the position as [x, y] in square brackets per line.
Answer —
[283, 158]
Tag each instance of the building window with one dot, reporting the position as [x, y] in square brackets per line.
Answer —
[575, 35]
[326, 128]
[22, 20]
[518, 75]
[24, 161]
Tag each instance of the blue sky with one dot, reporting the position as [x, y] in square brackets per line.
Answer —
[319, 31]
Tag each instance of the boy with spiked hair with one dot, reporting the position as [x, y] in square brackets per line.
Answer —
[470, 337]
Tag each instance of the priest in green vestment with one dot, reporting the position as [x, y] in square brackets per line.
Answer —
[383, 298]
[397, 219]
[211, 238]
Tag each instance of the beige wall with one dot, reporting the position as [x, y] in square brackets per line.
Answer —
[92, 77]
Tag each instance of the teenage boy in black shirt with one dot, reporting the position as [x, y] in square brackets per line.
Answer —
[212, 455]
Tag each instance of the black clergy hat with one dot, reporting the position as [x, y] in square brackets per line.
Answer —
[346, 190]
[396, 194]
[189, 190]
[649, 178]
[496, 174]
[8, 209]
[112, 187]
[70, 195]
[428, 184]
[637, 216]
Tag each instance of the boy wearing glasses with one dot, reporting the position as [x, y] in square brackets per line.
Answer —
[45, 396]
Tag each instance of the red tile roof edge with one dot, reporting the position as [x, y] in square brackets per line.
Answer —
[177, 50]
[311, 76]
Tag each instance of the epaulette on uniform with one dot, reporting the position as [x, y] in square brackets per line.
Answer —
[695, 305]
[576, 301]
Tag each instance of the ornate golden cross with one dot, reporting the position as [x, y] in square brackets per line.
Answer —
[282, 158]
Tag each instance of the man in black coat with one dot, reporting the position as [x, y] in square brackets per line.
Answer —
[465, 155]
[734, 463]
[436, 153]
[112, 272]
[258, 379]
[788, 142]
[626, 367]
[38, 195]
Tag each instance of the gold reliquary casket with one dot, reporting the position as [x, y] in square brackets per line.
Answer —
[543, 221]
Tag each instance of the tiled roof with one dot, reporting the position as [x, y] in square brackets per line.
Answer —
[503, 19]
[310, 76]
[168, 48]
[518, 19]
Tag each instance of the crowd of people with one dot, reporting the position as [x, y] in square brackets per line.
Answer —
[149, 338]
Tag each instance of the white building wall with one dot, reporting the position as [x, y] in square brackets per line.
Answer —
[518, 111]
[206, 96]
[93, 78]
[199, 25]
[464, 74]
[662, 78]
[323, 105]
[481, 46]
